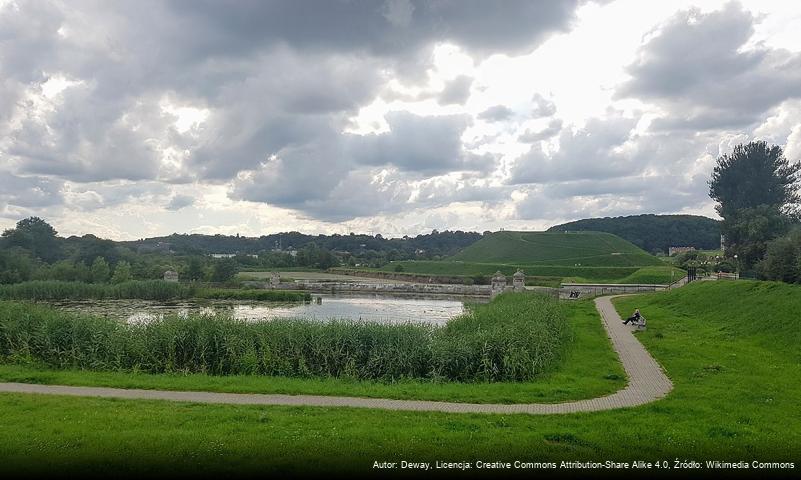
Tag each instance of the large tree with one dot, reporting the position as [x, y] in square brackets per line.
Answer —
[36, 236]
[757, 190]
[224, 270]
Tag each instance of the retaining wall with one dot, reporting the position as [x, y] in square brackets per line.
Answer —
[416, 288]
[600, 289]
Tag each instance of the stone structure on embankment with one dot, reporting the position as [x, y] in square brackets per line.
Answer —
[406, 277]
[574, 291]
[499, 285]
[399, 288]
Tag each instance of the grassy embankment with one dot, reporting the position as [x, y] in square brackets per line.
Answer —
[138, 289]
[731, 349]
[549, 258]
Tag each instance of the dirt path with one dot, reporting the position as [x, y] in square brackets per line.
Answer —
[647, 383]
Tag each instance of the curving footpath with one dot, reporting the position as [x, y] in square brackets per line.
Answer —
[647, 383]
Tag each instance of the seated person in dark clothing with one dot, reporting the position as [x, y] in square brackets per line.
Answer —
[634, 318]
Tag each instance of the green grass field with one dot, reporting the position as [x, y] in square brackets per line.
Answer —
[731, 349]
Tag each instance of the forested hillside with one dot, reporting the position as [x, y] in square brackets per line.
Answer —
[654, 233]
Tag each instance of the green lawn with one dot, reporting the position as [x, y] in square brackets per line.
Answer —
[590, 369]
[736, 397]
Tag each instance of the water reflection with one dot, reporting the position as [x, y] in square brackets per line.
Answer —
[372, 307]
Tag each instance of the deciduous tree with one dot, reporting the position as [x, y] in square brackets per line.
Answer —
[757, 193]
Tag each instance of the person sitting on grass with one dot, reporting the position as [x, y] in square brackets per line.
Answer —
[634, 318]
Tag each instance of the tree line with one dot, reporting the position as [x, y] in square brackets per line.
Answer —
[34, 251]
[427, 246]
[654, 233]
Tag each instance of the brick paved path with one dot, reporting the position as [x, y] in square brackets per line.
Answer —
[647, 382]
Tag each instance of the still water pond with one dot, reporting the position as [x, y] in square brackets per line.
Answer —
[378, 308]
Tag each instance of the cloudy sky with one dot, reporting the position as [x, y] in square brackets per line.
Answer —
[139, 118]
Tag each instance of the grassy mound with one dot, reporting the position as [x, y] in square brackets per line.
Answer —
[588, 249]
[548, 258]
[516, 337]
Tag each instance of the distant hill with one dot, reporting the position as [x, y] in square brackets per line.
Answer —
[654, 232]
[426, 245]
[587, 249]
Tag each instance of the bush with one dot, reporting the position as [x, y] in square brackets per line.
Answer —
[726, 266]
[516, 337]
[782, 261]
[224, 270]
[122, 272]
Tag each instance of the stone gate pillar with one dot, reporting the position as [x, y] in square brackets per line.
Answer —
[498, 284]
[519, 281]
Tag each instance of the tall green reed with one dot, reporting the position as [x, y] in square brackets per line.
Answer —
[515, 338]
[139, 289]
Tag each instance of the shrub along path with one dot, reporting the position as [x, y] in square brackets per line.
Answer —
[647, 383]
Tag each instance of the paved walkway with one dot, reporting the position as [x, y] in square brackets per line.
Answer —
[647, 382]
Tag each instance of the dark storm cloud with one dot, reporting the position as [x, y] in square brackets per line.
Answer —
[393, 28]
[696, 67]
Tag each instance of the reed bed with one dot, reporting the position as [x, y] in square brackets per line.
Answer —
[515, 338]
[252, 294]
[138, 289]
